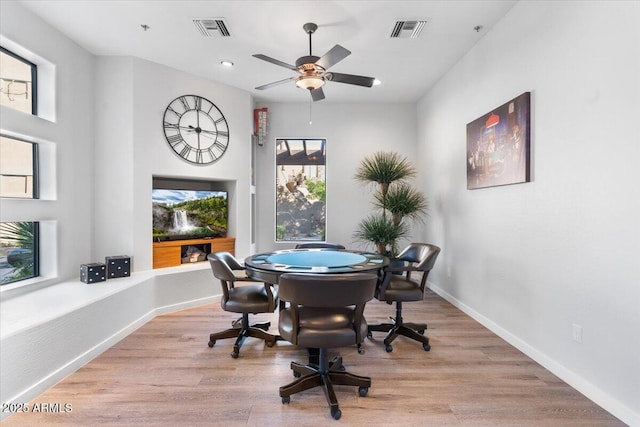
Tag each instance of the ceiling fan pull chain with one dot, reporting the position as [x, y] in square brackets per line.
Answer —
[310, 103]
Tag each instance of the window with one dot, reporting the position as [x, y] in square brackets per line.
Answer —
[300, 190]
[17, 82]
[18, 168]
[18, 251]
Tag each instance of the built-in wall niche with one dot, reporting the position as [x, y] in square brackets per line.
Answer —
[190, 219]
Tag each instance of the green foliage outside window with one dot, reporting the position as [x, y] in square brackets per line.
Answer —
[317, 188]
[18, 251]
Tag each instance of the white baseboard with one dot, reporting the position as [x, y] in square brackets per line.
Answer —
[72, 366]
[591, 391]
[42, 385]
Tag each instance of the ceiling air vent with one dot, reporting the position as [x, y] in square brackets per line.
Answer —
[212, 27]
[408, 29]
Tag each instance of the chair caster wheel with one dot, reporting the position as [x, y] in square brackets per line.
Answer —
[369, 334]
[235, 354]
[270, 343]
[362, 391]
[211, 343]
[388, 348]
[297, 374]
[426, 347]
[286, 399]
[360, 350]
[421, 331]
[336, 413]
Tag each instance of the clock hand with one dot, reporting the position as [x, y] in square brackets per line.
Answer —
[198, 130]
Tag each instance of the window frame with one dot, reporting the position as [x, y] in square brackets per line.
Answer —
[304, 152]
[35, 163]
[34, 78]
[42, 73]
[36, 254]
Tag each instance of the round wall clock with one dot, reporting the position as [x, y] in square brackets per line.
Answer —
[196, 129]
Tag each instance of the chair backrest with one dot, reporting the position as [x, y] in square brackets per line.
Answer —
[327, 297]
[320, 245]
[422, 255]
[327, 290]
[223, 264]
[419, 257]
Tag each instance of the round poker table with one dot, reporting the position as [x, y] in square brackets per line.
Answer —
[268, 267]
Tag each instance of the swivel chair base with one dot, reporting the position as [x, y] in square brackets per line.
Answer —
[415, 331]
[324, 376]
[241, 330]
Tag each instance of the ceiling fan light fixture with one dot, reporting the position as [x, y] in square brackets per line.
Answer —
[310, 82]
[312, 70]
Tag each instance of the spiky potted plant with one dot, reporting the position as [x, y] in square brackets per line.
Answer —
[397, 203]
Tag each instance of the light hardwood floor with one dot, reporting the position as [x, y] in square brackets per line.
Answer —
[164, 374]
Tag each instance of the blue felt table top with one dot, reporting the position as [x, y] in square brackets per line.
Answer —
[316, 258]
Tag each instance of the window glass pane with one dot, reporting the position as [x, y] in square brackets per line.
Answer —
[300, 190]
[17, 168]
[18, 251]
[17, 82]
[314, 145]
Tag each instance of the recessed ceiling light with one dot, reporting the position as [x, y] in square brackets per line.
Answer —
[376, 82]
[227, 63]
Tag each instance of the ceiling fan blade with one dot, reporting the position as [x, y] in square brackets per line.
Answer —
[335, 55]
[350, 79]
[279, 82]
[317, 94]
[274, 61]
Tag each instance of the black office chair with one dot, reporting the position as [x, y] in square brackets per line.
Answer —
[324, 311]
[320, 245]
[398, 286]
[245, 299]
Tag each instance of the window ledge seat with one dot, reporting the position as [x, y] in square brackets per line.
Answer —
[49, 333]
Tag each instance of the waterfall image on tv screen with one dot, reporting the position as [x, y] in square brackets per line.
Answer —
[189, 214]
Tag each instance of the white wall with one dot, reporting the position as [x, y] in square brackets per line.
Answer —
[67, 144]
[352, 132]
[529, 260]
[533, 259]
[104, 146]
[132, 149]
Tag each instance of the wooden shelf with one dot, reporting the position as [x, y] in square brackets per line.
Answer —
[168, 253]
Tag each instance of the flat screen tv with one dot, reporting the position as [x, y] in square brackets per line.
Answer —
[189, 214]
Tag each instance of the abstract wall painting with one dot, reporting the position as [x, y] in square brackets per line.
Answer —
[499, 145]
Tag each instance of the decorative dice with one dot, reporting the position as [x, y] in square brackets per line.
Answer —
[118, 266]
[91, 273]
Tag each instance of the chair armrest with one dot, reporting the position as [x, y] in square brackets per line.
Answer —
[393, 269]
[272, 301]
[390, 271]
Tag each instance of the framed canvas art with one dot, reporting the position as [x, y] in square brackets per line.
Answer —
[498, 145]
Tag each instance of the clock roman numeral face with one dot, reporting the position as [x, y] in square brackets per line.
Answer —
[196, 129]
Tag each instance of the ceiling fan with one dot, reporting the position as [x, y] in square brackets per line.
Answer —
[312, 70]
